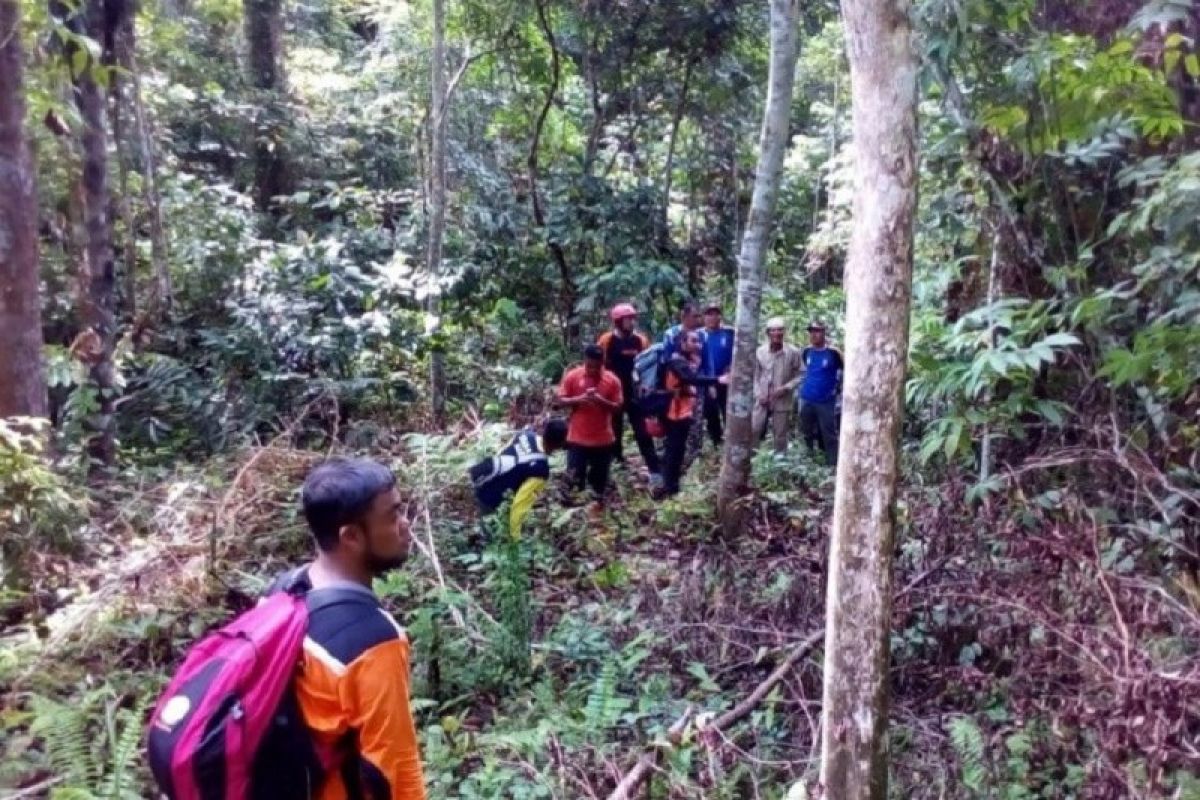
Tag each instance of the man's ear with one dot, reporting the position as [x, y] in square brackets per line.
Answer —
[353, 537]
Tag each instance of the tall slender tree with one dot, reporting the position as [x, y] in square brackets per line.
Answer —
[883, 74]
[22, 382]
[773, 140]
[437, 208]
[136, 148]
[264, 60]
[96, 298]
[118, 40]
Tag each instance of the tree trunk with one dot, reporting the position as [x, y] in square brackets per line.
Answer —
[883, 73]
[22, 379]
[264, 39]
[159, 252]
[115, 49]
[99, 280]
[437, 211]
[567, 293]
[669, 169]
[773, 140]
[985, 438]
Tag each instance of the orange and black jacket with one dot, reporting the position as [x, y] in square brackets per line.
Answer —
[620, 351]
[352, 692]
[683, 376]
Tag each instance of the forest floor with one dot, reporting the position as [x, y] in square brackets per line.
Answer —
[635, 621]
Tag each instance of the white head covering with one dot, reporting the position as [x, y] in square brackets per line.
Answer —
[776, 322]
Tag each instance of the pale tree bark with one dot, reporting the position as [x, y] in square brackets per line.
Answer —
[669, 169]
[22, 381]
[437, 211]
[264, 40]
[773, 141]
[985, 438]
[883, 76]
[159, 247]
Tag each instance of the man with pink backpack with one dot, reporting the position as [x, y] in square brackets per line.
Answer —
[306, 695]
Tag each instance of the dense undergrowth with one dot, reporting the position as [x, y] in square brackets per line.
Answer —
[1046, 620]
[1030, 657]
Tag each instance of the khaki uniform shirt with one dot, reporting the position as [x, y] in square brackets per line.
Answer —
[775, 370]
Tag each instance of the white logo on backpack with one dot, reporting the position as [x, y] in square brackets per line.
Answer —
[175, 710]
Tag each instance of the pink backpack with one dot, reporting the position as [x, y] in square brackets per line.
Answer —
[230, 715]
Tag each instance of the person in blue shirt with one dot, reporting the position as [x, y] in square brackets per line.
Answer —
[689, 320]
[716, 358]
[820, 392]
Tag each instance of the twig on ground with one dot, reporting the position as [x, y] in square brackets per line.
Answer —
[34, 790]
[429, 550]
[755, 697]
[220, 523]
[1119, 618]
[645, 764]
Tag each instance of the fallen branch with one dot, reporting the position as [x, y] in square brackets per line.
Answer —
[34, 790]
[642, 769]
[645, 764]
[743, 708]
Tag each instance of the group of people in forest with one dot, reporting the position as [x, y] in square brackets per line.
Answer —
[340, 724]
[673, 390]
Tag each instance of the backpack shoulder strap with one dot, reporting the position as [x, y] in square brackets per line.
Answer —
[294, 581]
[339, 595]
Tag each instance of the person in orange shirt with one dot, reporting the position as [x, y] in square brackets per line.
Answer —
[684, 381]
[351, 686]
[593, 394]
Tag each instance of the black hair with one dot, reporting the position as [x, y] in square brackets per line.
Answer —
[554, 434]
[338, 492]
[593, 352]
[687, 307]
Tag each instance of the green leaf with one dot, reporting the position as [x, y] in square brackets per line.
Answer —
[930, 446]
[1061, 340]
[953, 438]
[79, 62]
[1052, 412]
[700, 673]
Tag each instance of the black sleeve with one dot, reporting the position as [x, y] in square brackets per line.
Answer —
[685, 372]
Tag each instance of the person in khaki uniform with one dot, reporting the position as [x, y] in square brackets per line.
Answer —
[778, 370]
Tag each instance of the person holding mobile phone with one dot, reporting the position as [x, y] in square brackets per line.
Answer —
[593, 394]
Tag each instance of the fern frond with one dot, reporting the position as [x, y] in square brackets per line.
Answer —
[604, 706]
[91, 744]
[124, 746]
[968, 743]
[64, 730]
